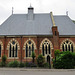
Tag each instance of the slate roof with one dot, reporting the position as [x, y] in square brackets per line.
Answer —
[65, 25]
[18, 24]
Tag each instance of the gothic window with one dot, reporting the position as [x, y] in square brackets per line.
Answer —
[67, 46]
[29, 48]
[45, 48]
[0, 50]
[13, 49]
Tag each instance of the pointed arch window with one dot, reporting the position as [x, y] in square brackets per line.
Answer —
[45, 48]
[13, 49]
[67, 46]
[29, 48]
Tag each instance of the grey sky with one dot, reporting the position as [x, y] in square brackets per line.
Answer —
[58, 7]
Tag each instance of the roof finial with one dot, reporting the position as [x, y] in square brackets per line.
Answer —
[30, 4]
[12, 10]
[67, 13]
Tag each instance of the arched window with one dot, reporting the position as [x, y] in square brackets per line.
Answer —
[67, 46]
[45, 48]
[13, 49]
[29, 48]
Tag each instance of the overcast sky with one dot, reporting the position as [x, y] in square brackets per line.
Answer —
[58, 7]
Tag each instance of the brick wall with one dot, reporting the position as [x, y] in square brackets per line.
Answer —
[55, 40]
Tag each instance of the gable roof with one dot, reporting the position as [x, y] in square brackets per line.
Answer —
[18, 24]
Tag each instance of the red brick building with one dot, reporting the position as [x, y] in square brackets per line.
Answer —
[21, 34]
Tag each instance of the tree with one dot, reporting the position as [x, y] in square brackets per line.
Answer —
[64, 61]
[33, 56]
[56, 53]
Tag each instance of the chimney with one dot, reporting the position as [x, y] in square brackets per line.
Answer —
[30, 13]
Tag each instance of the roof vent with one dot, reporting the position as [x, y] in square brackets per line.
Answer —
[30, 13]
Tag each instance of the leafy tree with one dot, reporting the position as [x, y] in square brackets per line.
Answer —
[65, 60]
[56, 53]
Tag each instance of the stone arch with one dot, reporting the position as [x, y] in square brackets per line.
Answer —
[1, 45]
[51, 48]
[24, 46]
[48, 41]
[65, 41]
[11, 42]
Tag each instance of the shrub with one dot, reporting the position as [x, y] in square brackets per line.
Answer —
[64, 61]
[13, 64]
[56, 53]
[46, 65]
[4, 58]
[1, 64]
[10, 64]
[74, 58]
[33, 56]
[30, 64]
[21, 64]
[26, 64]
[40, 61]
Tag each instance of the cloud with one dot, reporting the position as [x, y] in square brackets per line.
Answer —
[58, 7]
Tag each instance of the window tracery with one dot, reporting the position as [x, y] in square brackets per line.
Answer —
[29, 48]
[67, 46]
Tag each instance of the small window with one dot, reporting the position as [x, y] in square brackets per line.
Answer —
[13, 42]
[55, 33]
[29, 42]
